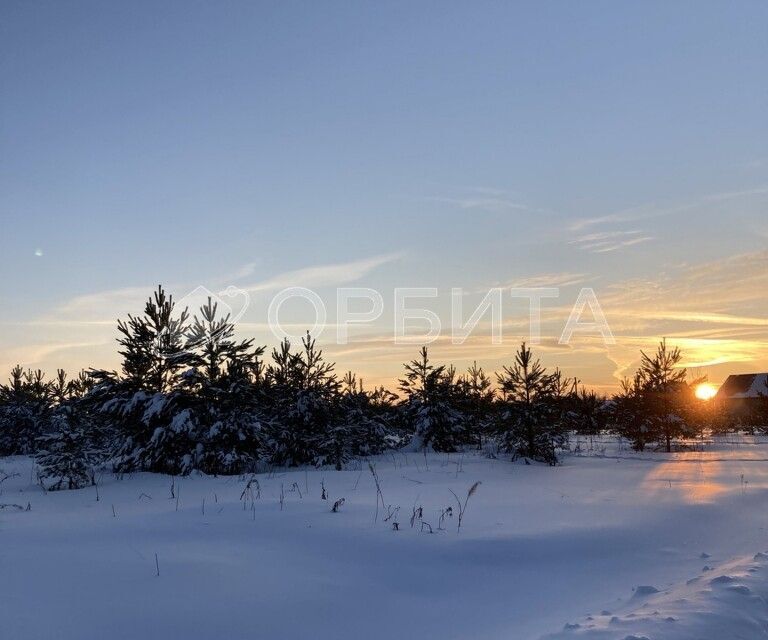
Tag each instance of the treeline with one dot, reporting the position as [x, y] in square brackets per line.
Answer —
[190, 396]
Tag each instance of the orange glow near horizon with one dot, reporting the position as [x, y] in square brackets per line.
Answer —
[706, 391]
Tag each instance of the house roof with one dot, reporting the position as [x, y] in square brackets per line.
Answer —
[745, 385]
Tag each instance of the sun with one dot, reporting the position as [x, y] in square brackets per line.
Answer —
[706, 391]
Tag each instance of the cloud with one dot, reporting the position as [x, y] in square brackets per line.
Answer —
[607, 241]
[323, 275]
[484, 200]
[603, 236]
[564, 279]
[624, 243]
[713, 318]
[244, 271]
[105, 307]
[627, 215]
[715, 311]
[100, 307]
[31, 355]
[652, 210]
[84, 322]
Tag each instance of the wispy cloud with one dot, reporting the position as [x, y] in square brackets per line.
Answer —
[564, 279]
[323, 275]
[690, 305]
[104, 307]
[653, 210]
[73, 329]
[99, 307]
[31, 355]
[715, 311]
[484, 200]
[555, 279]
[710, 318]
[630, 242]
[607, 241]
[627, 215]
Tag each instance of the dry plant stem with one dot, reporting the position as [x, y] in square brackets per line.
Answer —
[463, 507]
[379, 495]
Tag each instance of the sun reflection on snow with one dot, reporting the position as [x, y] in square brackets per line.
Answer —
[704, 476]
[690, 479]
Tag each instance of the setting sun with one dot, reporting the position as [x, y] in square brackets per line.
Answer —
[706, 391]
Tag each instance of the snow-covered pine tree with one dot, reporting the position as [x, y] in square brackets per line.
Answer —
[345, 426]
[531, 423]
[223, 387]
[431, 405]
[627, 416]
[62, 389]
[656, 405]
[665, 393]
[68, 452]
[361, 426]
[372, 416]
[588, 413]
[384, 406]
[156, 429]
[301, 395]
[477, 396]
[25, 407]
[81, 386]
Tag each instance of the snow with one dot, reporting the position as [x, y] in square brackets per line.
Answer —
[730, 605]
[611, 544]
[757, 389]
[156, 405]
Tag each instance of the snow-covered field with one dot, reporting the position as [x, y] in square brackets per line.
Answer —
[613, 545]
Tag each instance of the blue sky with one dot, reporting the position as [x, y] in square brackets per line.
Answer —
[617, 145]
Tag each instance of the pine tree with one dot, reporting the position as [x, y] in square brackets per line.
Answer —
[628, 416]
[657, 405]
[588, 413]
[157, 431]
[26, 403]
[663, 384]
[68, 453]
[362, 424]
[477, 403]
[654, 407]
[431, 405]
[301, 395]
[531, 423]
[222, 388]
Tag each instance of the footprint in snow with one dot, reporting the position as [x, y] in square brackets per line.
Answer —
[740, 589]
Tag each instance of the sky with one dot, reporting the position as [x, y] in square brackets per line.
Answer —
[620, 146]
